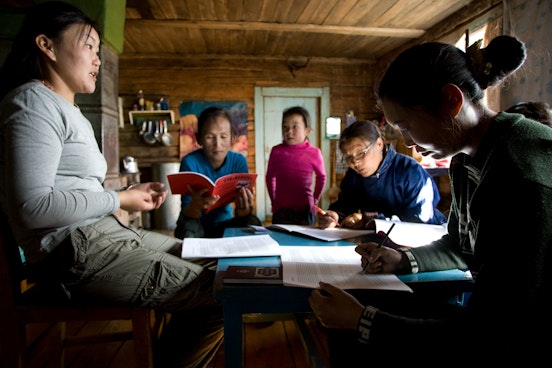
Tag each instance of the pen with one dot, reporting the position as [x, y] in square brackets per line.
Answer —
[380, 244]
[324, 213]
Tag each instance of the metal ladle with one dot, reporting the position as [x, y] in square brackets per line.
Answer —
[166, 138]
[143, 128]
[157, 131]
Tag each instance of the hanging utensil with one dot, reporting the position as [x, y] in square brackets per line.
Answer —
[148, 135]
[166, 138]
[143, 128]
[157, 133]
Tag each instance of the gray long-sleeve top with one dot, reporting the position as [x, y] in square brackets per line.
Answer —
[51, 169]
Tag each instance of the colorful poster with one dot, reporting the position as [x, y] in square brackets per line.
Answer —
[189, 111]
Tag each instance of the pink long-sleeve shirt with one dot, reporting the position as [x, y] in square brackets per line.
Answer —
[290, 173]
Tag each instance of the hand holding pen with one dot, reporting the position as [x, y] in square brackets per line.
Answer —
[325, 214]
[380, 244]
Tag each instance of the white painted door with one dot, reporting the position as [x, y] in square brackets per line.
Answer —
[269, 106]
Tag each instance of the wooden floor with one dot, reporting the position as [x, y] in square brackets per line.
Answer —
[275, 344]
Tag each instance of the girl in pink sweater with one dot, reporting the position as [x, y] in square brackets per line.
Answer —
[289, 174]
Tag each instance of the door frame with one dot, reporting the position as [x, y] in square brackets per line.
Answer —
[323, 93]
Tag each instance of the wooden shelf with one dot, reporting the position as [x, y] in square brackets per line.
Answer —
[137, 117]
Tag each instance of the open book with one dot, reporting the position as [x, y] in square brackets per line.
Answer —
[226, 187]
[329, 234]
[410, 234]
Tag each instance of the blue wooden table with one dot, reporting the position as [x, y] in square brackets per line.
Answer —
[239, 299]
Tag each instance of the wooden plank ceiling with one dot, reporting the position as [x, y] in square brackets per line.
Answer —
[353, 29]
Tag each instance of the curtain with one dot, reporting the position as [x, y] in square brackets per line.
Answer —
[531, 22]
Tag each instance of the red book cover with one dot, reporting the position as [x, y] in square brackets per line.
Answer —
[226, 187]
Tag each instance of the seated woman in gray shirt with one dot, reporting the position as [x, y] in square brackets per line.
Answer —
[58, 210]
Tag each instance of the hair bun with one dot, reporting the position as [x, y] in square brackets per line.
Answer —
[503, 56]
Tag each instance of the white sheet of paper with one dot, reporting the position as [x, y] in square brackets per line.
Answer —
[411, 234]
[235, 246]
[305, 266]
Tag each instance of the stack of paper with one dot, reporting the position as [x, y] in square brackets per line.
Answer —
[235, 246]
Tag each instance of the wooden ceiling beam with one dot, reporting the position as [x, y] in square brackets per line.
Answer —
[209, 58]
[279, 27]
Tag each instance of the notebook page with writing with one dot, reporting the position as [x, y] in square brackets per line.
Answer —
[305, 266]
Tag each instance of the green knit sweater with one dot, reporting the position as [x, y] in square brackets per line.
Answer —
[500, 226]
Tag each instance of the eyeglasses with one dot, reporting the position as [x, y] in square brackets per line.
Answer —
[350, 160]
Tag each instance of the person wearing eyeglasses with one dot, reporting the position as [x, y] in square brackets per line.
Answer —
[380, 183]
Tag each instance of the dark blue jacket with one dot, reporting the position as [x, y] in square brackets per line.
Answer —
[400, 187]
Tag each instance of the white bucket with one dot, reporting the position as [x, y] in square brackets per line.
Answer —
[165, 216]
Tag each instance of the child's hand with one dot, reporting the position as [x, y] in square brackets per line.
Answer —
[353, 221]
[328, 220]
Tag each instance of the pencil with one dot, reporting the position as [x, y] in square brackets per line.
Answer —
[380, 244]
[324, 213]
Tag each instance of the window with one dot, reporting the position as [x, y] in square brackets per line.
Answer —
[468, 38]
[472, 36]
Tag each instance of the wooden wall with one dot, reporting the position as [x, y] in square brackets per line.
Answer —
[206, 79]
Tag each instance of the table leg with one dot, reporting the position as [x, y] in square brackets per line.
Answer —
[233, 335]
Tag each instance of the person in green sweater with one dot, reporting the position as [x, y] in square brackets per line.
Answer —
[500, 223]
[536, 110]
